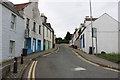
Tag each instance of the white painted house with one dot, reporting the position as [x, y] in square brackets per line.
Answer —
[106, 40]
[33, 26]
[12, 30]
[119, 26]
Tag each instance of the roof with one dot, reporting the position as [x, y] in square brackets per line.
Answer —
[89, 19]
[11, 7]
[19, 7]
[48, 25]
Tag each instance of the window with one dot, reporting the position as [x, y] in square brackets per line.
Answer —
[50, 35]
[27, 23]
[13, 21]
[34, 24]
[83, 41]
[39, 29]
[28, 43]
[12, 48]
[47, 32]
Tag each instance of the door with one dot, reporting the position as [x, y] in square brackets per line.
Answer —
[34, 45]
[39, 45]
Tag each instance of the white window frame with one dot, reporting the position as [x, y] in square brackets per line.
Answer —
[12, 48]
[13, 22]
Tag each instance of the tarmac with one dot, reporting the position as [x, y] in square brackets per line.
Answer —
[8, 70]
[94, 59]
[7, 67]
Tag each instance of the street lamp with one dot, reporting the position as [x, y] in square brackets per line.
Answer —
[91, 24]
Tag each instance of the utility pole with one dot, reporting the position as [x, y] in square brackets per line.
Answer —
[91, 25]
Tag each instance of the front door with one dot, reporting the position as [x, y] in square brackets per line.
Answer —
[34, 45]
[39, 45]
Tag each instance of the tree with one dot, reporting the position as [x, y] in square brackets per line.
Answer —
[58, 40]
[68, 36]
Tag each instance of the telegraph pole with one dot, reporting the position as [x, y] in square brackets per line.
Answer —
[91, 25]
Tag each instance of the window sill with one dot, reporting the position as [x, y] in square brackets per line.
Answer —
[13, 30]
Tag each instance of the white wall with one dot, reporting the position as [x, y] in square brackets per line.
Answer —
[34, 17]
[107, 35]
[119, 26]
[8, 34]
[0, 33]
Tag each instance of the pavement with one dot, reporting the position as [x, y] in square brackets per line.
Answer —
[65, 64]
[95, 59]
[7, 67]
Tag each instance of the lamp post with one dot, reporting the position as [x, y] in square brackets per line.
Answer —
[91, 25]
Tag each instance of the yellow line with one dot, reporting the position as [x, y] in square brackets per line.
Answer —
[29, 73]
[51, 53]
[47, 54]
[33, 75]
[94, 63]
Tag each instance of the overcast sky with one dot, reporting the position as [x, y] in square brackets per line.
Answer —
[66, 15]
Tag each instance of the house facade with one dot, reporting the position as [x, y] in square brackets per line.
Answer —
[119, 26]
[12, 31]
[48, 33]
[105, 36]
[33, 26]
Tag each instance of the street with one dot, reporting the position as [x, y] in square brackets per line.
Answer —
[65, 64]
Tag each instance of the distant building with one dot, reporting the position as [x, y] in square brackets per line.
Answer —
[11, 31]
[105, 36]
[33, 26]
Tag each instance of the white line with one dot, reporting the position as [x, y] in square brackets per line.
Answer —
[33, 75]
[29, 73]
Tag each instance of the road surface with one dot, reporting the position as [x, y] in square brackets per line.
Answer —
[65, 64]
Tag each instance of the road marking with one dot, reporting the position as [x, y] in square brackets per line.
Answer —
[79, 69]
[33, 75]
[29, 73]
[51, 53]
[93, 63]
[47, 54]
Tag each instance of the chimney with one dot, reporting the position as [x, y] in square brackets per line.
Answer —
[87, 17]
[33, 1]
[44, 18]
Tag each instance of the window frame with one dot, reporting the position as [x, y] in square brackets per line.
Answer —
[13, 21]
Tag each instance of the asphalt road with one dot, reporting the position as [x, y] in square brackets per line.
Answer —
[65, 64]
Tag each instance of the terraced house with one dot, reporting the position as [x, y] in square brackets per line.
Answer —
[11, 31]
[48, 33]
[33, 26]
[105, 36]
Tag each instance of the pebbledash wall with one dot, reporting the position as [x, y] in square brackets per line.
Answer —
[107, 35]
[8, 34]
[0, 33]
[35, 39]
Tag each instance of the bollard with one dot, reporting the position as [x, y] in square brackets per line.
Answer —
[21, 58]
[15, 65]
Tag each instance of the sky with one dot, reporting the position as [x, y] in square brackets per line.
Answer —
[66, 15]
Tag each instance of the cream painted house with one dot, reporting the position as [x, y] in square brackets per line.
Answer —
[33, 26]
[48, 33]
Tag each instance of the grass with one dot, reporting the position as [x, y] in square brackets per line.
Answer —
[111, 57]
